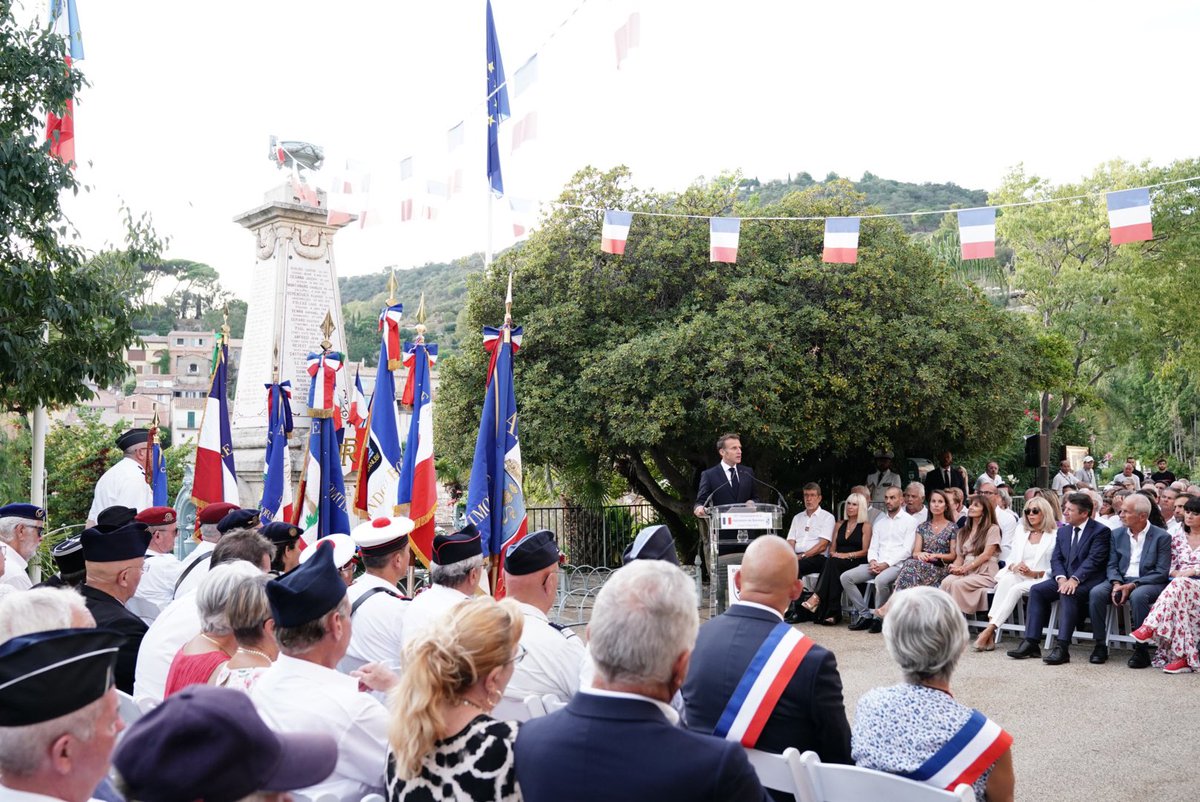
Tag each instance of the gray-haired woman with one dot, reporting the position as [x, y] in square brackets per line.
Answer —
[905, 729]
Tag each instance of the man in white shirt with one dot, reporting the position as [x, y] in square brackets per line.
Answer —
[892, 537]
[914, 502]
[1175, 522]
[809, 536]
[883, 477]
[1166, 505]
[990, 474]
[21, 528]
[303, 691]
[376, 604]
[554, 654]
[124, 484]
[161, 570]
[455, 572]
[1006, 519]
[1086, 476]
[1127, 478]
[1063, 478]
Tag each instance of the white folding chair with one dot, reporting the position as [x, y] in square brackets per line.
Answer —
[552, 703]
[326, 797]
[127, 708]
[535, 706]
[373, 798]
[779, 772]
[830, 782]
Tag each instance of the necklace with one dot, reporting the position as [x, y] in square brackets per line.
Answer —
[263, 655]
[216, 643]
[469, 703]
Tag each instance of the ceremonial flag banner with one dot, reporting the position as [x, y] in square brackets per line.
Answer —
[723, 238]
[841, 240]
[495, 500]
[418, 480]
[325, 491]
[523, 213]
[1129, 216]
[216, 479]
[379, 476]
[497, 104]
[616, 231]
[358, 417]
[628, 37]
[60, 130]
[276, 501]
[157, 476]
[977, 233]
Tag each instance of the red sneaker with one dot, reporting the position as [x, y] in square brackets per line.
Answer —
[1179, 666]
[1142, 634]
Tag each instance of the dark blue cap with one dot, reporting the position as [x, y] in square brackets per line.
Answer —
[652, 543]
[281, 532]
[132, 438]
[127, 543]
[49, 674]
[28, 511]
[457, 546]
[532, 553]
[111, 518]
[238, 519]
[68, 555]
[308, 591]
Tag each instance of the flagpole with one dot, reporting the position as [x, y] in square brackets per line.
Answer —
[298, 501]
[487, 254]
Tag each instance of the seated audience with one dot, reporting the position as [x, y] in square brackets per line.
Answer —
[197, 661]
[113, 561]
[253, 628]
[1006, 519]
[304, 692]
[959, 514]
[914, 502]
[1029, 560]
[934, 548]
[620, 739]
[892, 538]
[68, 558]
[973, 572]
[41, 609]
[444, 742]
[1139, 560]
[1155, 516]
[454, 574]
[916, 729]
[1173, 623]
[58, 713]
[730, 652]
[210, 744]
[848, 551]
[811, 532]
[1052, 499]
[1127, 478]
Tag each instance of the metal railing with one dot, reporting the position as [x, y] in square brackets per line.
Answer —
[594, 536]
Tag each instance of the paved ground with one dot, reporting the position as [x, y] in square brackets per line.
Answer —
[1081, 732]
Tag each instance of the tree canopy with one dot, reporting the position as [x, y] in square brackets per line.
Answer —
[634, 365]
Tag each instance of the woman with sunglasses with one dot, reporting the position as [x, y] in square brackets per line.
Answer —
[444, 742]
[1029, 560]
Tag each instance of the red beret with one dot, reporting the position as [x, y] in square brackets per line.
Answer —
[213, 513]
[156, 516]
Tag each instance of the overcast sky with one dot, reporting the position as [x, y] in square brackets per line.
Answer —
[184, 96]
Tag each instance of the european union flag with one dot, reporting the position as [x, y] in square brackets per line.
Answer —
[497, 104]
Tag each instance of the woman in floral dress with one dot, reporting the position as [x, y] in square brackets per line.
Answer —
[1173, 623]
[933, 550]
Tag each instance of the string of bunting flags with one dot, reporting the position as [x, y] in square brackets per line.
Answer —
[1129, 220]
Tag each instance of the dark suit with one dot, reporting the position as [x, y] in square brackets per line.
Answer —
[1153, 574]
[111, 614]
[603, 748]
[714, 482]
[809, 715]
[1088, 564]
[935, 480]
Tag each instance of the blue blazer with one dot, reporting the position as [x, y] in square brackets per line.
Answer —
[1155, 565]
[1090, 563]
[600, 749]
[810, 714]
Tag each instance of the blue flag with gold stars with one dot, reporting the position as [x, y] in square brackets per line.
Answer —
[497, 104]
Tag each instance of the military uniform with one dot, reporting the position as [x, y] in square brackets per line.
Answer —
[377, 632]
[553, 658]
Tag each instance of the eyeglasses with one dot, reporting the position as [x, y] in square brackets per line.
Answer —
[520, 655]
[38, 529]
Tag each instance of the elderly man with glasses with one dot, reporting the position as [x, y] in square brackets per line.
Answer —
[21, 527]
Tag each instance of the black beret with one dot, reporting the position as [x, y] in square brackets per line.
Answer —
[238, 519]
[132, 438]
[111, 518]
[652, 543]
[281, 533]
[308, 591]
[49, 674]
[531, 553]
[457, 546]
[127, 543]
[68, 555]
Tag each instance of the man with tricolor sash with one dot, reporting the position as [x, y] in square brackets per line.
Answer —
[755, 679]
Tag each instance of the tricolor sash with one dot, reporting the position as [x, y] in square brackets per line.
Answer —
[759, 689]
[966, 756]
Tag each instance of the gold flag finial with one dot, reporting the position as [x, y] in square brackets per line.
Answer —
[327, 329]
[225, 323]
[508, 303]
[421, 317]
[391, 299]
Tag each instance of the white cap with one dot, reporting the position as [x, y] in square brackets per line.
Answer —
[382, 535]
[343, 549]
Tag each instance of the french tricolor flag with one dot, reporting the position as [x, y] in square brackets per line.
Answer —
[723, 238]
[841, 240]
[977, 233]
[615, 231]
[1129, 215]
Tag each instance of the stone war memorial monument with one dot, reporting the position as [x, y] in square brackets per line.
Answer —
[294, 287]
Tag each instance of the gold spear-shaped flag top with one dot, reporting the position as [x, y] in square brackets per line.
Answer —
[225, 324]
[391, 299]
[327, 329]
[421, 317]
[508, 312]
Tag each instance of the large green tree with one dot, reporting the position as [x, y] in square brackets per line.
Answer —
[64, 320]
[634, 365]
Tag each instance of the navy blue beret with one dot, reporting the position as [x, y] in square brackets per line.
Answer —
[652, 543]
[27, 511]
[531, 553]
[49, 674]
[126, 543]
[68, 555]
[457, 546]
[132, 438]
[308, 591]
[238, 519]
[111, 518]
[281, 532]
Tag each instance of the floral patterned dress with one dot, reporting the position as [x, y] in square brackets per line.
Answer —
[1175, 616]
[913, 572]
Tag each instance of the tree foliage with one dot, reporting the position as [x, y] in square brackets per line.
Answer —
[634, 365]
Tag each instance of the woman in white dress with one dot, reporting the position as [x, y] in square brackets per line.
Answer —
[1029, 560]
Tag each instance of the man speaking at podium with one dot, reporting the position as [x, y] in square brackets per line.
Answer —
[727, 482]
